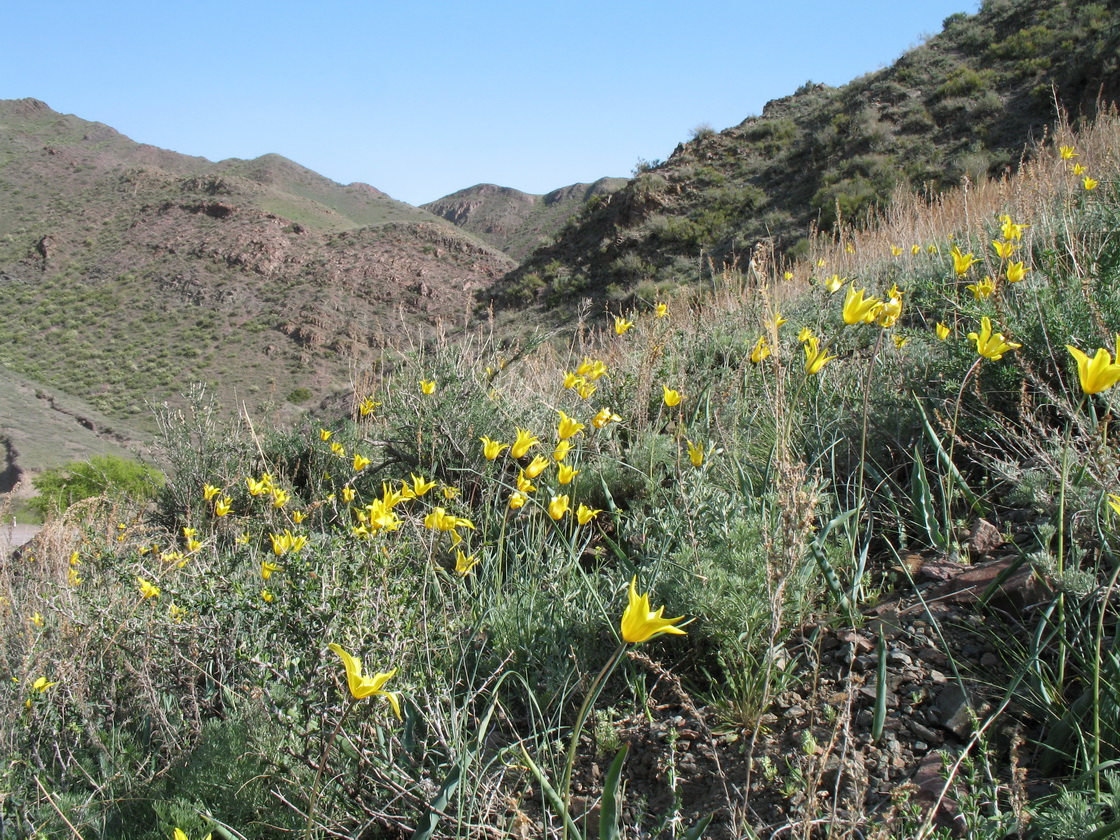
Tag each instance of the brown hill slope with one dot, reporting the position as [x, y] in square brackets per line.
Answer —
[516, 222]
[966, 102]
[130, 271]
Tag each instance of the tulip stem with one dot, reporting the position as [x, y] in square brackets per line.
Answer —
[313, 798]
[863, 431]
[581, 719]
[947, 485]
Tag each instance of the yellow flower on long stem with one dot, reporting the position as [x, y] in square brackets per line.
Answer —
[984, 289]
[761, 350]
[585, 390]
[1003, 250]
[815, 357]
[427, 387]
[524, 485]
[268, 568]
[360, 462]
[535, 467]
[942, 331]
[695, 453]
[558, 507]
[991, 345]
[420, 486]
[36, 619]
[463, 563]
[621, 325]
[834, 283]
[561, 450]
[209, 491]
[368, 406]
[661, 310]
[671, 398]
[776, 321]
[517, 500]
[639, 623]
[1097, 374]
[591, 368]
[1016, 271]
[1089, 183]
[491, 448]
[566, 474]
[222, 506]
[325, 435]
[525, 440]
[571, 380]
[604, 418]
[1010, 230]
[896, 251]
[858, 310]
[892, 309]
[362, 686]
[961, 262]
[1067, 152]
[584, 514]
[568, 427]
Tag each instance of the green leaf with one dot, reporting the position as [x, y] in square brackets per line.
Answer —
[608, 810]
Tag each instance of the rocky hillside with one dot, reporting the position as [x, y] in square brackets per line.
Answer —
[516, 222]
[965, 103]
[130, 271]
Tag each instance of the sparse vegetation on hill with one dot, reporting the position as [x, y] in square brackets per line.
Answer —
[129, 272]
[965, 104]
[515, 222]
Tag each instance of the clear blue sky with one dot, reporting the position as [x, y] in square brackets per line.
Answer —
[423, 97]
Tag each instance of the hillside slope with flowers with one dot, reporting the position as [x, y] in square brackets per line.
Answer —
[828, 550]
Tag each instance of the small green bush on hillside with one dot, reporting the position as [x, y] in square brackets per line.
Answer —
[101, 475]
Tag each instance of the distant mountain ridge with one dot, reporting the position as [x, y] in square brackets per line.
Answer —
[516, 222]
[130, 271]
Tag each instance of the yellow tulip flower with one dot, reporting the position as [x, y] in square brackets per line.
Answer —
[604, 418]
[989, 345]
[671, 398]
[858, 310]
[363, 686]
[1067, 152]
[491, 448]
[222, 506]
[566, 474]
[1016, 271]
[896, 251]
[325, 435]
[420, 486]
[1010, 230]
[621, 325]
[525, 440]
[568, 426]
[815, 358]
[36, 619]
[761, 350]
[463, 563]
[942, 331]
[268, 568]
[915, 249]
[524, 485]
[1003, 249]
[571, 380]
[834, 283]
[427, 387]
[1097, 374]
[561, 450]
[961, 262]
[360, 462]
[585, 390]
[367, 406]
[640, 623]
[558, 507]
[585, 514]
[1089, 183]
[517, 500]
[535, 467]
[984, 289]
[661, 310]
[695, 453]
[209, 491]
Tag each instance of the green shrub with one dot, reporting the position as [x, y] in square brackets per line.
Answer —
[101, 475]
